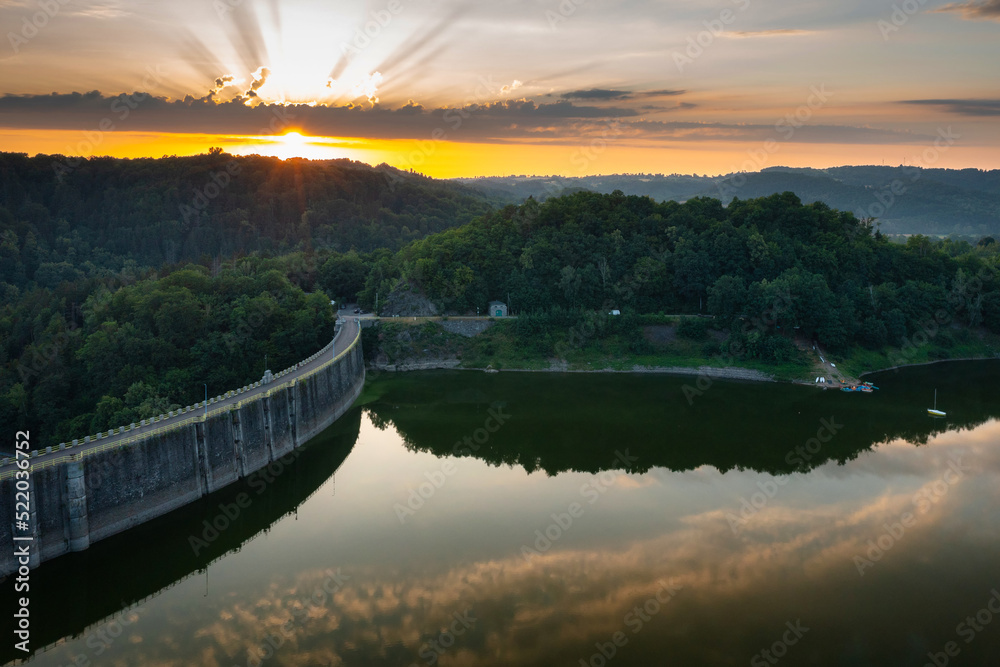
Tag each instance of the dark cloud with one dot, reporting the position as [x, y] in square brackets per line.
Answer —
[203, 60]
[259, 79]
[974, 9]
[220, 83]
[807, 134]
[597, 94]
[54, 102]
[568, 110]
[966, 107]
[411, 107]
[659, 93]
[497, 121]
[683, 106]
[494, 120]
[611, 94]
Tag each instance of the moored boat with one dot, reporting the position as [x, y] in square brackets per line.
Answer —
[934, 412]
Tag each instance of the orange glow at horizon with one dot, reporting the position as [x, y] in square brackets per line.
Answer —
[443, 159]
[294, 144]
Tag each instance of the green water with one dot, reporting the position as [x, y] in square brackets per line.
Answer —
[463, 518]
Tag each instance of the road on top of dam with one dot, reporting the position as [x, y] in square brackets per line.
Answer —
[348, 332]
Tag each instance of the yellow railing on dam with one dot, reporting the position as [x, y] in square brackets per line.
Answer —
[122, 442]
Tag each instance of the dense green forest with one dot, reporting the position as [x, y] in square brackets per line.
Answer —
[771, 263]
[906, 200]
[133, 351]
[126, 284]
[121, 294]
[68, 216]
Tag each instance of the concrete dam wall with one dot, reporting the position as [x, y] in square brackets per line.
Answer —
[91, 495]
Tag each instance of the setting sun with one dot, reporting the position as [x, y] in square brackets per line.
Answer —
[294, 141]
[294, 144]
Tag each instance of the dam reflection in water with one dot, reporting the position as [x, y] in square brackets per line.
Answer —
[605, 520]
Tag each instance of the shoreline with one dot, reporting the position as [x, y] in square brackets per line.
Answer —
[737, 373]
[727, 373]
[927, 363]
[734, 373]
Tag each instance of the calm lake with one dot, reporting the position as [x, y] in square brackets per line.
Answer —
[463, 518]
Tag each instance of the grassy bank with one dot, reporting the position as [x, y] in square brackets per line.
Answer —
[946, 345]
[662, 343]
[651, 342]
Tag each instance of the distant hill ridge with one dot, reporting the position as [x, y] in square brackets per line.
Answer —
[904, 200]
[179, 209]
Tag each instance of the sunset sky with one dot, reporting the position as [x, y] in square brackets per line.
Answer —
[502, 87]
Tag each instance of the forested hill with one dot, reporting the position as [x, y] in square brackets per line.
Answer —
[770, 259]
[125, 285]
[905, 200]
[64, 212]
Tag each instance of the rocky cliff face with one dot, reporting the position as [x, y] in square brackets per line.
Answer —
[407, 301]
[401, 346]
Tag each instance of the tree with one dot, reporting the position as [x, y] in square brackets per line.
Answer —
[343, 275]
[569, 283]
[727, 298]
